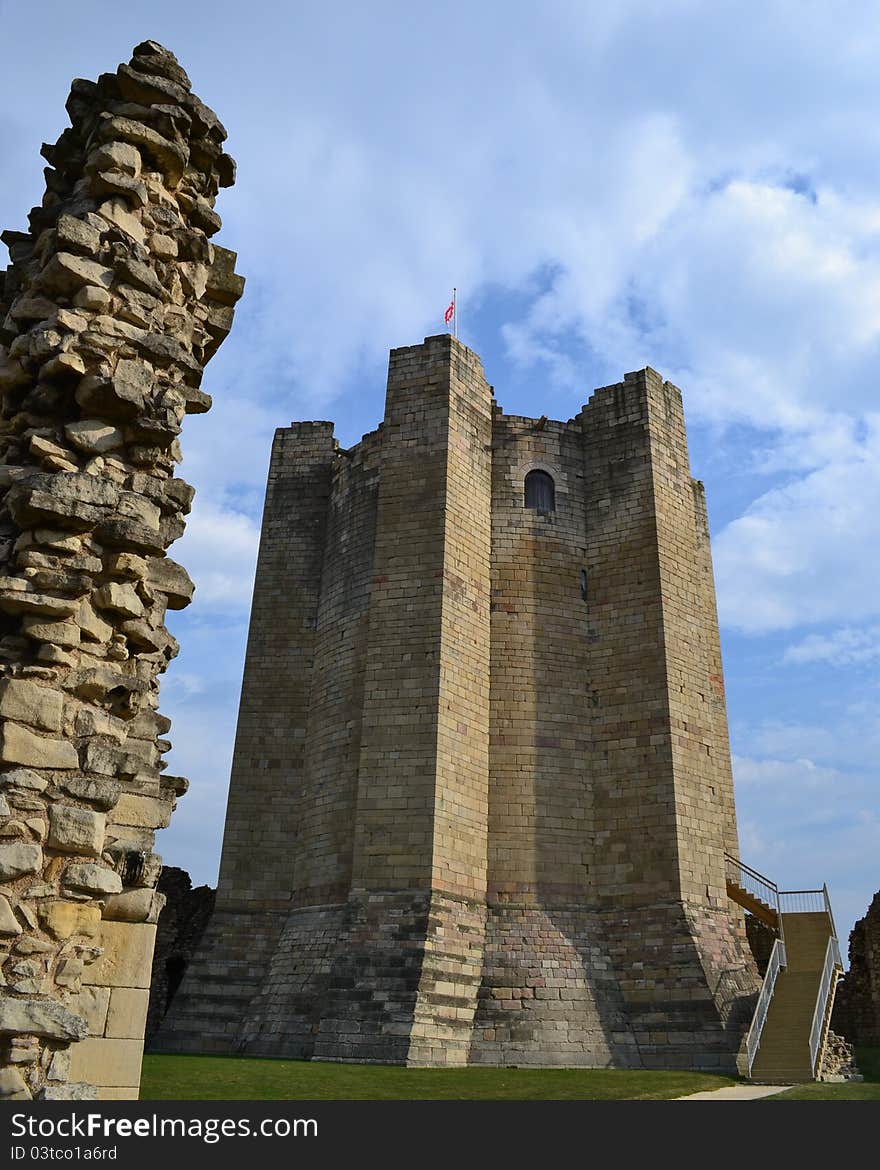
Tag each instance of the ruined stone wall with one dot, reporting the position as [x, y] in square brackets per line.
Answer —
[857, 1003]
[115, 300]
[504, 830]
[179, 930]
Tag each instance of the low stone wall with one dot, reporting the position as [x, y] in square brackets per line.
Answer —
[114, 302]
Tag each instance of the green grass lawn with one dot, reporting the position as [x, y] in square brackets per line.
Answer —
[230, 1078]
[222, 1078]
[868, 1060]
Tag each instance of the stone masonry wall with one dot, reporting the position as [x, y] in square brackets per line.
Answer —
[504, 791]
[179, 930]
[115, 301]
[857, 1003]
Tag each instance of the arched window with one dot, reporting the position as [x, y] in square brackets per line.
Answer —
[540, 491]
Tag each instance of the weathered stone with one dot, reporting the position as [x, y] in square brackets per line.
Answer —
[13, 1086]
[115, 156]
[93, 436]
[94, 628]
[169, 157]
[119, 599]
[9, 924]
[59, 1066]
[115, 184]
[21, 746]
[92, 879]
[133, 906]
[130, 535]
[19, 858]
[76, 830]
[17, 600]
[92, 1003]
[62, 366]
[26, 702]
[116, 211]
[92, 297]
[135, 507]
[52, 455]
[33, 946]
[77, 236]
[103, 681]
[57, 633]
[103, 793]
[114, 397]
[165, 247]
[127, 565]
[110, 761]
[40, 1018]
[70, 1091]
[172, 580]
[23, 778]
[142, 811]
[66, 273]
[64, 919]
[127, 951]
[108, 319]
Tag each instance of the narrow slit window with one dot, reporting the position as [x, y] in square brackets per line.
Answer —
[540, 491]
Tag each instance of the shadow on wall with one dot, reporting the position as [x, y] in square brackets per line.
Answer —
[181, 925]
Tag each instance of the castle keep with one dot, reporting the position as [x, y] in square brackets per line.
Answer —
[481, 791]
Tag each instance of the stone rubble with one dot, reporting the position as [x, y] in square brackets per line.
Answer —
[115, 300]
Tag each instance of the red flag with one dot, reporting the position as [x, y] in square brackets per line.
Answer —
[450, 312]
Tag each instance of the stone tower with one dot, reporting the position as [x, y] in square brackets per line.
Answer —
[481, 790]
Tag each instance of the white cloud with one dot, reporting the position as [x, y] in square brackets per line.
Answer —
[847, 646]
[808, 551]
[219, 550]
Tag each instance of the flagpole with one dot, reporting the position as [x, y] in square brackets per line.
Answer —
[454, 315]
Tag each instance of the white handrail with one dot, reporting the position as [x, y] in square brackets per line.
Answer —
[753, 1040]
[832, 961]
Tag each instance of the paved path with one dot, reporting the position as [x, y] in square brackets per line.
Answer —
[736, 1093]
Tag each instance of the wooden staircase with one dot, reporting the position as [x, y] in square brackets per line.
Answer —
[784, 1052]
[789, 1031]
[751, 901]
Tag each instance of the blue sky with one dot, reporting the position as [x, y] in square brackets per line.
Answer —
[686, 185]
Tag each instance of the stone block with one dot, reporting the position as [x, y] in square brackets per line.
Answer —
[27, 702]
[65, 634]
[107, 1063]
[92, 1003]
[10, 927]
[103, 793]
[119, 599]
[18, 858]
[128, 1013]
[88, 878]
[141, 905]
[127, 958]
[40, 1017]
[142, 812]
[65, 919]
[94, 436]
[21, 746]
[76, 830]
[13, 1086]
